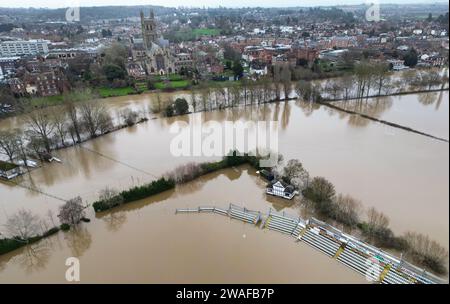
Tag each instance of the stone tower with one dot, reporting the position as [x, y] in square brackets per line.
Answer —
[149, 30]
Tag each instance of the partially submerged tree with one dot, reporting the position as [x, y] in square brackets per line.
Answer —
[181, 106]
[110, 197]
[22, 225]
[294, 173]
[346, 210]
[426, 252]
[72, 211]
[320, 190]
[40, 122]
[130, 117]
[95, 117]
[9, 143]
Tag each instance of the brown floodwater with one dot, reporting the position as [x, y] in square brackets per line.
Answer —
[402, 174]
[146, 242]
[426, 112]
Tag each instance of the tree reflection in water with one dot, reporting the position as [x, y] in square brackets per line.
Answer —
[428, 99]
[114, 220]
[78, 240]
[34, 257]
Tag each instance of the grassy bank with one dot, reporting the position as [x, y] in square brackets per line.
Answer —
[114, 92]
[173, 84]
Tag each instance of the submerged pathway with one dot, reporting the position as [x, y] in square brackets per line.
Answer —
[371, 262]
[395, 125]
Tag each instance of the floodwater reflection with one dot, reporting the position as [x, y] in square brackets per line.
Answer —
[78, 239]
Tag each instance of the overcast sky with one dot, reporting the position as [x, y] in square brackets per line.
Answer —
[196, 3]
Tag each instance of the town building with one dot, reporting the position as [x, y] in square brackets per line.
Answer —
[12, 48]
[281, 189]
[158, 58]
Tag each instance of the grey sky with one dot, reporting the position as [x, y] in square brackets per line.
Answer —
[206, 3]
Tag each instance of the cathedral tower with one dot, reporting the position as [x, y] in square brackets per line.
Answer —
[149, 30]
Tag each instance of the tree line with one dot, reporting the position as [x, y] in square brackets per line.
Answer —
[75, 121]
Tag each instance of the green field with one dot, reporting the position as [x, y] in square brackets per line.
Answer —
[192, 34]
[178, 84]
[112, 92]
[46, 101]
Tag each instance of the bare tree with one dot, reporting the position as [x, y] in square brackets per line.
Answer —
[130, 117]
[376, 221]
[75, 127]
[94, 117]
[194, 99]
[205, 93]
[158, 102]
[381, 75]
[303, 90]
[185, 173]
[347, 209]
[72, 211]
[40, 122]
[427, 252]
[346, 83]
[295, 174]
[35, 143]
[110, 197]
[60, 121]
[22, 225]
[9, 143]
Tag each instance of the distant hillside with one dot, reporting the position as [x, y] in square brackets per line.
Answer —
[86, 13]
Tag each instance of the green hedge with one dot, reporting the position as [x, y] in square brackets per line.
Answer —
[7, 245]
[137, 193]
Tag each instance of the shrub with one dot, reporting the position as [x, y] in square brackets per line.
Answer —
[169, 111]
[181, 106]
[136, 193]
[51, 232]
[65, 227]
[185, 173]
[319, 191]
[7, 245]
[130, 117]
[346, 210]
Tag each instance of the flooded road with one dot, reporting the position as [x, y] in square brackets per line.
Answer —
[402, 174]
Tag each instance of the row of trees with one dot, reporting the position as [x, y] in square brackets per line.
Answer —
[369, 79]
[56, 127]
[376, 80]
[23, 226]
